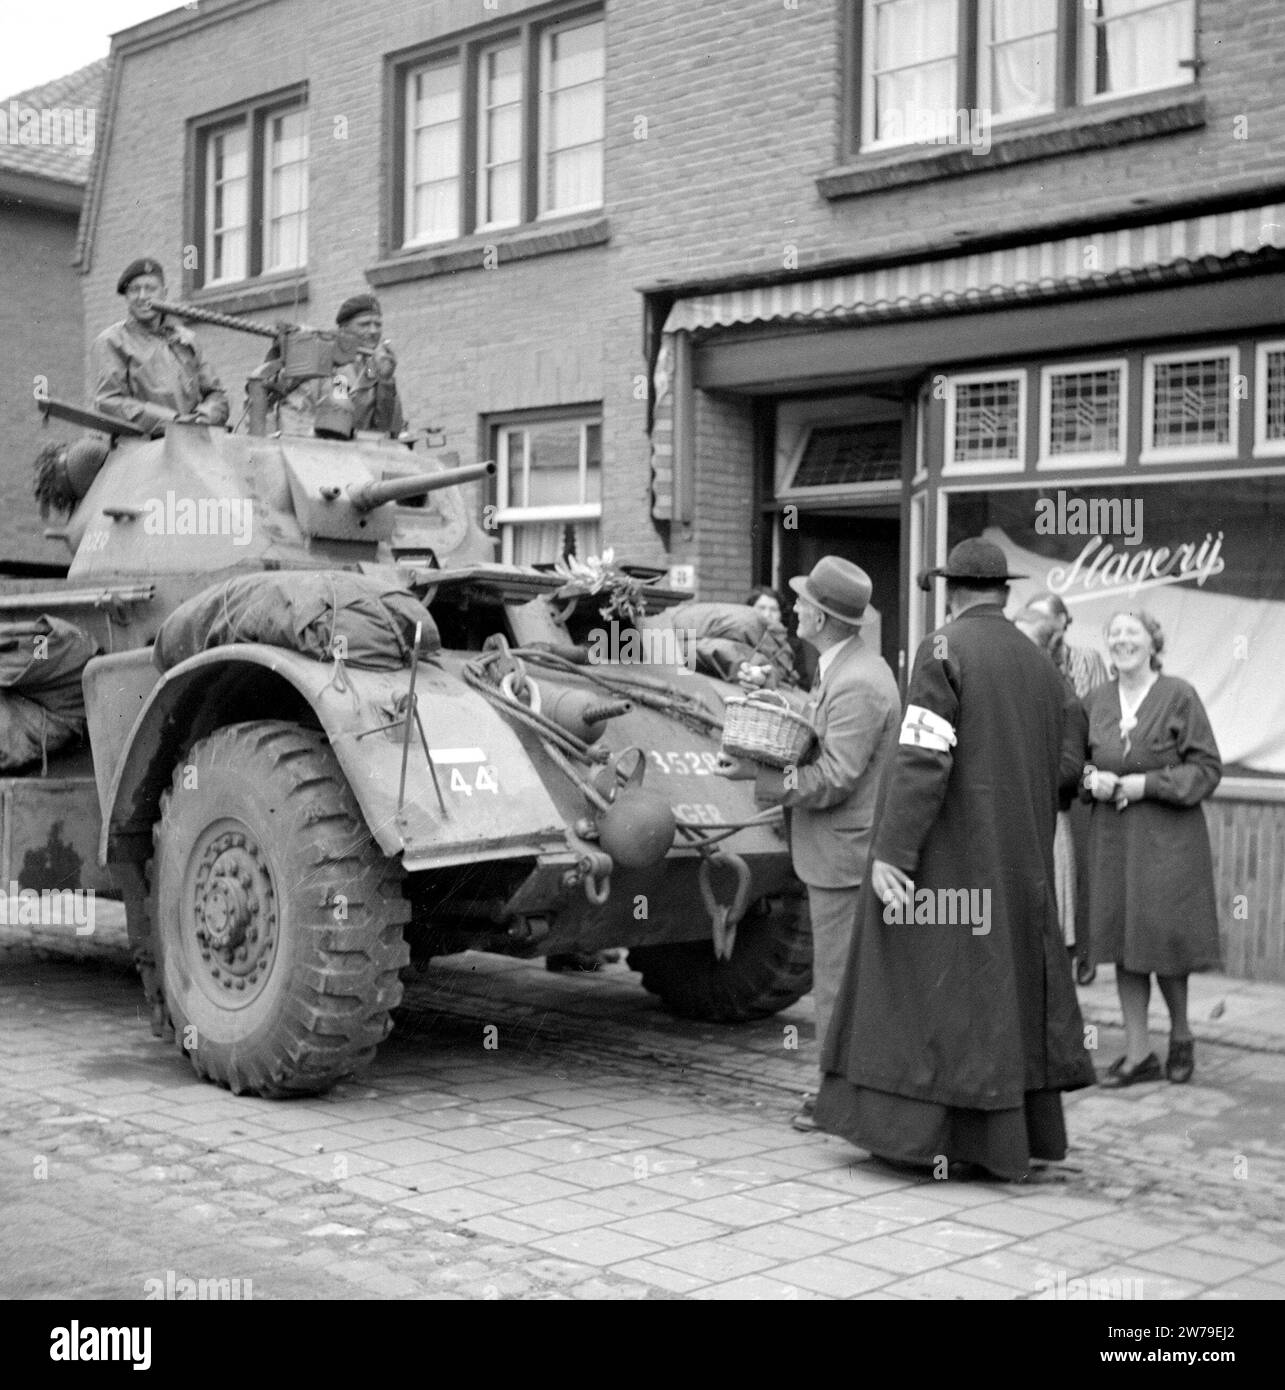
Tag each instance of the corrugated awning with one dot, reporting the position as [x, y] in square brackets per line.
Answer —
[1155, 253]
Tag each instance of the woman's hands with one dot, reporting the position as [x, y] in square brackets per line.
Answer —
[1107, 786]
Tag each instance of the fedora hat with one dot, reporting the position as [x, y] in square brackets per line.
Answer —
[837, 587]
[973, 561]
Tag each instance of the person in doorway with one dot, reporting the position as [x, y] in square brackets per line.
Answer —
[957, 1026]
[855, 709]
[148, 370]
[1152, 760]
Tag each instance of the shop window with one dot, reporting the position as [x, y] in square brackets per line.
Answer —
[839, 455]
[533, 144]
[1269, 399]
[1188, 411]
[934, 70]
[549, 486]
[1082, 414]
[251, 186]
[985, 423]
[1213, 574]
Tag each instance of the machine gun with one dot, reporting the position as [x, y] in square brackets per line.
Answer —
[301, 354]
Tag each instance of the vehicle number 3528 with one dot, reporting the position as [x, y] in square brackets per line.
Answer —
[688, 764]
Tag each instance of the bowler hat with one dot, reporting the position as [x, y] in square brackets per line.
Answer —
[975, 561]
[358, 304]
[145, 265]
[837, 587]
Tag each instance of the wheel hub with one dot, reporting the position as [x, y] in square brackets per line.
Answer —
[234, 912]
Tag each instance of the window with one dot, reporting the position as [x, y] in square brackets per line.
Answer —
[1189, 411]
[251, 210]
[1269, 399]
[985, 423]
[840, 455]
[502, 130]
[1082, 414]
[941, 71]
[549, 487]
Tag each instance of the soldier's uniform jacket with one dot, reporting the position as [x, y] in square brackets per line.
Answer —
[375, 404]
[991, 740]
[148, 376]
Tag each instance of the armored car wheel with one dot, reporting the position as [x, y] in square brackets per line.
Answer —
[277, 921]
[770, 968]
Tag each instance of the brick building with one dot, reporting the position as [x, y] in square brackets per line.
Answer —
[730, 286]
[46, 145]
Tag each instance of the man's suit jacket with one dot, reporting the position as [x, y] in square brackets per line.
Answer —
[857, 715]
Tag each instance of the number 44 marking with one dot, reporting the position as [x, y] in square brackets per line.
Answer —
[486, 781]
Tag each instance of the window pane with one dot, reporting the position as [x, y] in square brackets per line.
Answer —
[500, 137]
[914, 69]
[987, 420]
[1136, 45]
[1275, 386]
[572, 119]
[227, 201]
[1084, 412]
[1192, 403]
[554, 454]
[287, 192]
[1019, 56]
[433, 153]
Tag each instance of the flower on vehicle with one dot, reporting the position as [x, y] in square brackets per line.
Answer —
[598, 574]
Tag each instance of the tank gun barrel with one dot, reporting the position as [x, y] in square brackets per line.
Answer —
[211, 316]
[367, 496]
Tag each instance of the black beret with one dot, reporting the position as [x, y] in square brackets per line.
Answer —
[145, 265]
[358, 304]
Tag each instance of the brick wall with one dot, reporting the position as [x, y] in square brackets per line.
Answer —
[740, 107]
[41, 328]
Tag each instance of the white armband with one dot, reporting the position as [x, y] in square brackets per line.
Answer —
[921, 728]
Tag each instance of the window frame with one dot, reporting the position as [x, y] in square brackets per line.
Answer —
[508, 517]
[1046, 460]
[971, 65]
[1264, 447]
[1150, 452]
[950, 467]
[530, 30]
[254, 116]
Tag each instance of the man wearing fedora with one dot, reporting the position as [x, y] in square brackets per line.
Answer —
[148, 370]
[957, 1026]
[856, 710]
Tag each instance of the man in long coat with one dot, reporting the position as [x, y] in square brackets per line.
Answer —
[957, 1024]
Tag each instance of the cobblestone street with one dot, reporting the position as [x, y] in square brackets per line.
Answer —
[530, 1135]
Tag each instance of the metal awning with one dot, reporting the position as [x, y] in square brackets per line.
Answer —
[1156, 252]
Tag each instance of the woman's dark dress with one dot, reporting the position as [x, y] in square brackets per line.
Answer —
[1151, 877]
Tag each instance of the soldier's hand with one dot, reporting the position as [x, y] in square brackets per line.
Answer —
[383, 361]
[888, 882]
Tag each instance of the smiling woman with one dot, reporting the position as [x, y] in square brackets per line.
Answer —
[1152, 761]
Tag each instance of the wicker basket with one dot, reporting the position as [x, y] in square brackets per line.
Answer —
[763, 727]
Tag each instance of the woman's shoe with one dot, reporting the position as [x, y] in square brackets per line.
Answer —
[1119, 1074]
[1085, 972]
[1181, 1062]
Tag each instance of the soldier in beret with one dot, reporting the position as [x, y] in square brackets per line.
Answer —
[148, 370]
[359, 393]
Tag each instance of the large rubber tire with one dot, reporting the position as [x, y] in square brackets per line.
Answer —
[260, 827]
[770, 968]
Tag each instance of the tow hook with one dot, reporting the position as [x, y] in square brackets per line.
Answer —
[592, 868]
[724, 916]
